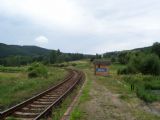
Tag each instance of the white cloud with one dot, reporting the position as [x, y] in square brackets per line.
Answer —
[41, 40]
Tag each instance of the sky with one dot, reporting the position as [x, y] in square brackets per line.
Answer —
[83, 26]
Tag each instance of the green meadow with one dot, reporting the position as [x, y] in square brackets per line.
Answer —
[15, 85]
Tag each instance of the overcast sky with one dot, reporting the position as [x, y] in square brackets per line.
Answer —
[84, 26]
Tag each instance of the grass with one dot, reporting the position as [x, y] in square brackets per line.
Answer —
[118, 85]
[115, 67]
[144, 86]
[12, 118]
[15, 87]
[60, 110]
[141, 115]
[121, 85]
[13, 69]
[78, 113]
[85, 93]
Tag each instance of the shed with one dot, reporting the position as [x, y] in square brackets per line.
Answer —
[101, 67]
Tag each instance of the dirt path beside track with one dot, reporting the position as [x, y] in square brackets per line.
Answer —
[106, 105]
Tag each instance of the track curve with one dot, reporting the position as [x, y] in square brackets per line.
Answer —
[41, 105]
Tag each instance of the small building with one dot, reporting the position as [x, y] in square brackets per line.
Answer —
[101, 67]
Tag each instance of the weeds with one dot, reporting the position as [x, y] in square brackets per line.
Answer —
[76, 114]
[144, 86]
[12, 69]
[15, 87]
[37, 70]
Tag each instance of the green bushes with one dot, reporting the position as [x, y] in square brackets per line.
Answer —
[141, 61]
[37, 70]
[127, 70]
[150, 65]
[145, 64]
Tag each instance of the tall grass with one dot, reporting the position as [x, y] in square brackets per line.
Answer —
[12, 69]
[144, 86]
[15, 87]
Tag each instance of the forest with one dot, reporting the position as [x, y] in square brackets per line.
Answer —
[14, 55]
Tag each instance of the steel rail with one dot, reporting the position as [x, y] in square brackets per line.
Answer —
[49, 109]
[67, 84]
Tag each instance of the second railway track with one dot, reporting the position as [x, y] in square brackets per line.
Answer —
[41, 105]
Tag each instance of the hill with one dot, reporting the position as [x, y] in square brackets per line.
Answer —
[10, 50]
[116, 53]
[15, 55]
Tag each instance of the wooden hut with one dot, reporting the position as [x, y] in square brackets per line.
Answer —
[101, 67]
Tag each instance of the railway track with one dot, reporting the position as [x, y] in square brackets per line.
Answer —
[42, 105]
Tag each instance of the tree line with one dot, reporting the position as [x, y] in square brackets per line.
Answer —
[144, 60]
[55, 56]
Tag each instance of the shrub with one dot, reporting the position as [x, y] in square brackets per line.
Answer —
[127, 70]
[74, 64]
[62, 65]
[145, 86]
[37, 70]
[156, 48]
[146, 95]
[32, 74]
[133, 64]
[145, 64]
[11, 69]
[150, 65]
[152, 83]
[122, 71]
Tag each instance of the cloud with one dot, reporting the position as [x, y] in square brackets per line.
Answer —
[62, 14]
[41, 40]
[90, 25]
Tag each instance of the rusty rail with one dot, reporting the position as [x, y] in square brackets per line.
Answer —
[41, 105]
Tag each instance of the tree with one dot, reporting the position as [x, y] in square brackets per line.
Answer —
[123, 57]
[98, 56]
[156, 48]
[53, 57]
[61, 58]
[113, 59]
[59, 52]
[150, 65]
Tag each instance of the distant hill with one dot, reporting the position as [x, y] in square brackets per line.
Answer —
[9, 50]
[115, 53]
